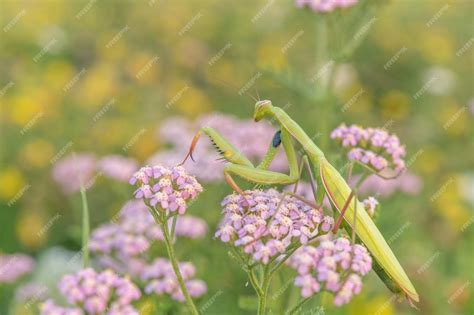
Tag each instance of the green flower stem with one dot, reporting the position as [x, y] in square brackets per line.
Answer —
[262, 300]
[281, 262]
[323, 57]
[254, 282]
[85, 228]
[169, 247]
[173, 226]
[295, 309]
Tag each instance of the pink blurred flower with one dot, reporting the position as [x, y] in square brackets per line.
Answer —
[160, 279]
[123, 245]
[15, 266]
[407, 183]
[95, 293]
[118, 167]
[323, 6]
[73, 170]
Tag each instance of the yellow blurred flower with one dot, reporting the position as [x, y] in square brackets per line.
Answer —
[98, 86]
[37, 153]
[24, 109]
[395, 104]
[115, 48]
[448, 202]
[12, 184]
[453, 118]
[57, 74]
[436, 48]
[112, 132]
[356, 99]
[30, 229]
[430, 160]
[144, 68]
[145, 145]
[192, 101]
[147, 307]
[270, 55]
[225, 71]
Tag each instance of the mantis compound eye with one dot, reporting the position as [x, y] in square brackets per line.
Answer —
[261, 109]
[276, 139]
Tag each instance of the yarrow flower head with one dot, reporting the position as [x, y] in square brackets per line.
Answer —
[324, 6]
[15, 266]
[94, 293]
[335, 266]
[123, 245]
[373, 147]
[160, 279]
[168, 188]
[254, 222]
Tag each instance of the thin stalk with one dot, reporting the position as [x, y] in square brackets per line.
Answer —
[85, 228]
[322, 58]
[262, 301]
[295, 309]
[281, 262]
[173, 226]
[249, 269]
[254, 282]
[174, 262]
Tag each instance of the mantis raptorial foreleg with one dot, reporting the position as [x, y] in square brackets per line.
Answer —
[240, 166]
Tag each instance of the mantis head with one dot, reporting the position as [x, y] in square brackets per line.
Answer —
[262, 108]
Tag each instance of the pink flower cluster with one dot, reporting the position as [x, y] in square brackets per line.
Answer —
[254, 222]
[95, 293]
[335, 266]
[325, 5]
[373, 147]
[161, 279]
[123, 245]
[168, 188]
[251, 138]
[13, 267]
[74, 170]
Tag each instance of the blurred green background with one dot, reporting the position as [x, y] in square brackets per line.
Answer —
[412, 72]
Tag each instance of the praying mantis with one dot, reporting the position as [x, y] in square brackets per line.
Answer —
[335, 187]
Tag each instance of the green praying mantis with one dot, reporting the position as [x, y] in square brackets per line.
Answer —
[338, 191]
